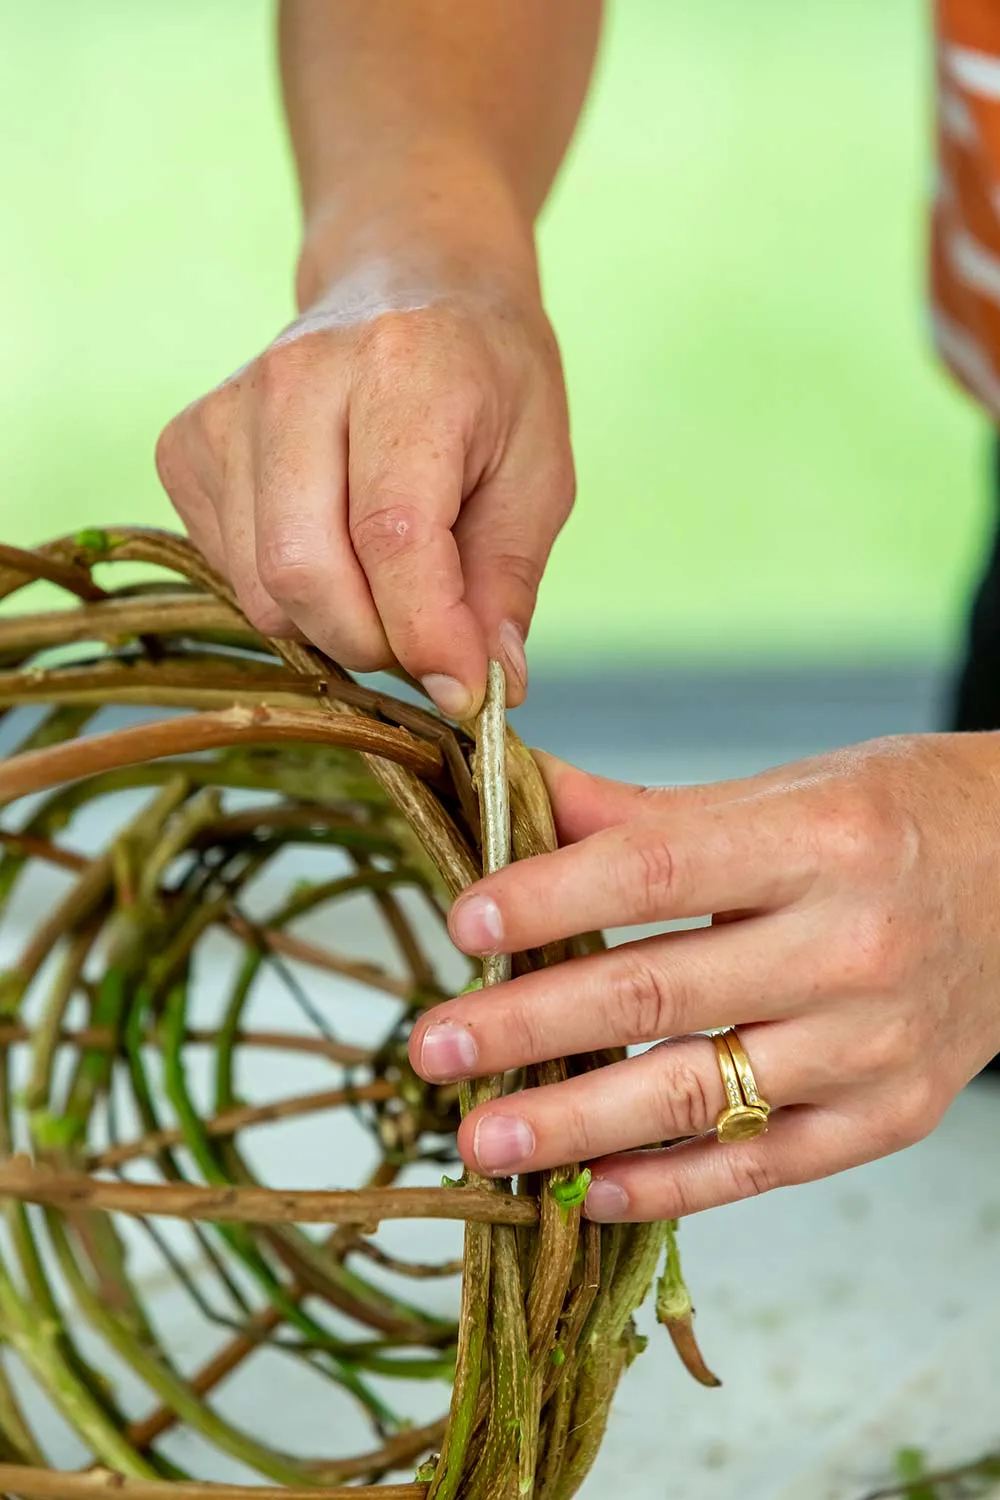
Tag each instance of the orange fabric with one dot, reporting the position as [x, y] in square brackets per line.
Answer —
[965, 234]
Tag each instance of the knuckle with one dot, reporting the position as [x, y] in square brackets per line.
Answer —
[858, 826]
[521, 1036]
[279, 372]
[563, 490]
[393, 338]
[651, 799]
[644, 1004]
[294, 575]
[168, 457]
[266, 617]
[915, 1110]
[426, 346]
[210, 420]
[577, 1128]
[188, 498]
[750, 1173]
[436, 355]
[522, 570]
[686, 1105]
[289, 572]
[385, 533]
[679, 1201]
[887, 1048]
[873, 955]
[648, 873]
[363, 656]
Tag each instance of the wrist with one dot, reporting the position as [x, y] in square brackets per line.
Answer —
[425, 218]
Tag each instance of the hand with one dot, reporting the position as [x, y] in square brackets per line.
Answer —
[856, 946]
[388, 478]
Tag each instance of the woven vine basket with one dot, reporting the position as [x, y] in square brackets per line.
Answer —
[211, 1184]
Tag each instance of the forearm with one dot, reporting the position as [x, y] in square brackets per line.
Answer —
[429, 120]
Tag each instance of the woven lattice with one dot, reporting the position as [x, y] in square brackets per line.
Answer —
[189, 899]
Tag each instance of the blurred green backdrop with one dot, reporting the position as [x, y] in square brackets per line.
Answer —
[769, 461]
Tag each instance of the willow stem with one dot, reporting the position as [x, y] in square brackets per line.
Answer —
[258, 1205]
[39, 769]
[50, 1484]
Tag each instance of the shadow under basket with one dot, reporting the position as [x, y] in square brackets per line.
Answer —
[202, 894]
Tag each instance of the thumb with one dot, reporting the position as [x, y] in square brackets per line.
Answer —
[406, 465]
[505, 534]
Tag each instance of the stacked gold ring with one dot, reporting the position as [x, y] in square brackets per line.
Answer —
[746, 1111]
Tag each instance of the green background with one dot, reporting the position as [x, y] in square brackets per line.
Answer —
[770, 463]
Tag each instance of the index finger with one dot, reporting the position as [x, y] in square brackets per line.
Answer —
[744, 855]
[406, 479]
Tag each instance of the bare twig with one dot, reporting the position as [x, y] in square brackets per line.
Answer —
[51, 1484]
[100, 1038]
[241, 1117]
[38, 769]
[255, 1205]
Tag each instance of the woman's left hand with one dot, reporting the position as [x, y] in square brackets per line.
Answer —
[856, 945]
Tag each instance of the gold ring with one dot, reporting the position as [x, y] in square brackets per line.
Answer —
[745, 1113]
[748, 1082]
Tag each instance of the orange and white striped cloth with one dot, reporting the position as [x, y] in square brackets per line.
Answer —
[965, 233]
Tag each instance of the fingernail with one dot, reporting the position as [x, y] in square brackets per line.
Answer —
[502, 1143]
[606, 1201]
[452, 698]
[476, 925]
[447, 1052]
[512, 646]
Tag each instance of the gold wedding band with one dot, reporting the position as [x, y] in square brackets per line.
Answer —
[745, 1113]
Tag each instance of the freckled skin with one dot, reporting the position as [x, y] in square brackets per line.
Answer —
[858, 956]
[388, 477]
